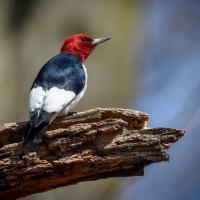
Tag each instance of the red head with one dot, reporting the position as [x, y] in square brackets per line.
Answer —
[81, 45]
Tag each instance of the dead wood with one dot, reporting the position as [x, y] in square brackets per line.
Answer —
[94, 144]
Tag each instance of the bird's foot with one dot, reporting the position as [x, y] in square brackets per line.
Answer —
[72, 114]
[37, 140]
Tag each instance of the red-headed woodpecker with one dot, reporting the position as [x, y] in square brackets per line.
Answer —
[59, 85]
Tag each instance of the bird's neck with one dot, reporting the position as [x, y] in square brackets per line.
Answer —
[81, 53]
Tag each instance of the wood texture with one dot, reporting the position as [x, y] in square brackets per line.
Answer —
[91, 145]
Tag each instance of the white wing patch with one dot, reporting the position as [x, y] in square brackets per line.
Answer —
[36, 98]
[50, 101]
[55, 99]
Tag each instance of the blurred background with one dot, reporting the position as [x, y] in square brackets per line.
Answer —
[151, 64]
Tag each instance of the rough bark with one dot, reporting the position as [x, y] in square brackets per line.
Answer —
[91, 145]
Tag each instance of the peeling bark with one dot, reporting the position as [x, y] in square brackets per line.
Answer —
[94, 144]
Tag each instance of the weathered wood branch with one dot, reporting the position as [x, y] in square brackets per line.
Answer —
[91, 145]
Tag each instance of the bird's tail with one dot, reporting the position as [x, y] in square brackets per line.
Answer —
[34, 134]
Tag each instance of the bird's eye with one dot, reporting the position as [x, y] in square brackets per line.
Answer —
[85, 40]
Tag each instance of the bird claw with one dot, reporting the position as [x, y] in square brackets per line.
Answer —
[72, 114]
[37, 141]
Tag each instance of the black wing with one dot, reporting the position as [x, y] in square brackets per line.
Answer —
[63, 71]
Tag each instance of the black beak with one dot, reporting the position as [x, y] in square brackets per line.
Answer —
[99, 40]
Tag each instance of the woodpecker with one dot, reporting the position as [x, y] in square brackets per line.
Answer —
[59, 85]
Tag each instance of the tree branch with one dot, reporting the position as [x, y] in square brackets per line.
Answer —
[91, 145]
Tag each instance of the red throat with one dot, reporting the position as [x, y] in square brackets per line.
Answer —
[77, 45]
